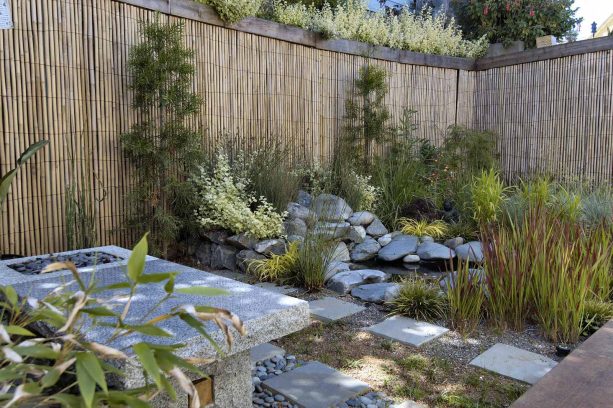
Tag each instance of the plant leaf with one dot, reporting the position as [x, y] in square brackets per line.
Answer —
[202, 291]
[31, 151]
[136, 263]
[147, 359]
[88, 362]
[11, 295]
[19, 331]
[5, 184]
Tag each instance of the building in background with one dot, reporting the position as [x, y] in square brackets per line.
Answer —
[606, 28]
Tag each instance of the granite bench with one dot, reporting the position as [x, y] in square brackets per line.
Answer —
[266, 316]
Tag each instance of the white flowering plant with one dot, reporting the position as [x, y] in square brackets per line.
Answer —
[233, 11]
[224, 201]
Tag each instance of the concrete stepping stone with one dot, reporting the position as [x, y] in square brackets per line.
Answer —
[316, 385]
[514, 362]
[409, 404]
[265, 351]
[281, 290]
[407, 331]
[330, 309]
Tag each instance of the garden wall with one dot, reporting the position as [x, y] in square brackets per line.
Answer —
[63, 77]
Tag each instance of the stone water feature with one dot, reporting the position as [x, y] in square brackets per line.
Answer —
[266, 316]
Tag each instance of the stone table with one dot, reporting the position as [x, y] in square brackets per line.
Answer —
[266, 316]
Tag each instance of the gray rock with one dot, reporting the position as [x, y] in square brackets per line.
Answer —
[376, 292]
[471, 251]
[427, 238]
[356, 234]
[449, 279]
[453, 243]
[331, 230]
[223, 257]
[411, 258]
[341, 253]
[304, 198]
[385, 239]
[431, 251]
[295, 226]
[203, 253]
[244, 257]
[295, 210]
[400, 246]
[343, 282]
[365, 251]
[376, 229]
[216, 236]
[295, 238]
[361, 218]
[331, 208]
[241, 241]
[270, 246]
[335, 267]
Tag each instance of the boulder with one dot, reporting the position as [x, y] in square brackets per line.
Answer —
[449, 279]
[216, 236]
[471, 251]
[365, 251]
[295, 210]
[376, 292]
[453, 243]
[335, 267]
[385, 239]
[399, 247]
[332, 230]
[329, 207]
[203, 253]
[223, 257]
[426, 238]
[361, 218]
[343, 282]
[431, 251]
[295, 226]
[270, 246]
[304, 198]
[241, 241]
[341, 253]
[356, 234]
[376, 229]
[295, 238]
[244, 257]
[411, 258]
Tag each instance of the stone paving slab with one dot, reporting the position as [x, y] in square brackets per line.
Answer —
[330, 309]
[273, 287]
[265, 351]
[316, 385]
[514, 362]
[407, 331]
[409, 404]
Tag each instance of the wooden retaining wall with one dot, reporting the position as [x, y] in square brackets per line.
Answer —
[63, 77]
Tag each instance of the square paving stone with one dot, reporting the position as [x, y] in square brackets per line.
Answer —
[264, 352]
[315, 385]
[330, 309]
[407, 331]
[281, 290]
[514, 362]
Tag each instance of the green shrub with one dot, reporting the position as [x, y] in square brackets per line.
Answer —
[314, 256]
[67, 370]
[419, 300]
[434, 229]
[596, 314]
[223, 202]
[488, 195]
[277, 267]
[233, 11]
[466, 297]
[597, 206]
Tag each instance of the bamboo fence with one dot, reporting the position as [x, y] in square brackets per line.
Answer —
[64, 78]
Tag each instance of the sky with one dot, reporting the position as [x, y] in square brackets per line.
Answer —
[592, 10]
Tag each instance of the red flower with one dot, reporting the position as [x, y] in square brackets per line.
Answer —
[508, 7]
[486, 10]
[531, 12]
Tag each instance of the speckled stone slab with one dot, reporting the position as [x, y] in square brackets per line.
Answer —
[266, 315]
[514, 362]
[279, 289]
[407, 331]
[330, 309]
[315, 385]
[264, 352]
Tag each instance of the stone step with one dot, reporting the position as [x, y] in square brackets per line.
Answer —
[265, 351]
[316, 385]
[273, 287]
[330, 309]
[407, 331]
[514, 362]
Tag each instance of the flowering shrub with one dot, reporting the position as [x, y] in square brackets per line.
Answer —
[419, 32]
[509, 20]
[234, 10]
[223, 202]
[369, 194]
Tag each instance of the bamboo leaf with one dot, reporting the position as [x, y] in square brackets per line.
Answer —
[19, 331]
[88, 362]
[147, 359]
[136, 263]
[31, 151]
[202, 291]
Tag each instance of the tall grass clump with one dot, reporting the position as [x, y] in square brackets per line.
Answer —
[419, 300]
[276, 268]
[420, 228]
[315, 254]
[488, 195]
[466, 297]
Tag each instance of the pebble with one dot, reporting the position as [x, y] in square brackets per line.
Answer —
[82, 259]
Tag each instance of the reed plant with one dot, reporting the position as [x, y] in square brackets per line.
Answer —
[466, 296]
[488, 195]
[315, 254]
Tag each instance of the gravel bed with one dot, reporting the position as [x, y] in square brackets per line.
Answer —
[268, 369]
[80, 259]
[369, 400]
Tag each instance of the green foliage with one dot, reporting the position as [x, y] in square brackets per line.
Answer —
[233, 11]
[419, 300]
[70, 371]
[314, 256]
[466, 297]
[434, 229]
[223, 201]
[419, 32]
[7, 179]
[488, 194]
[597, 206]
[162, 146]
[596, 314]
[277, 267]
[506, 21]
